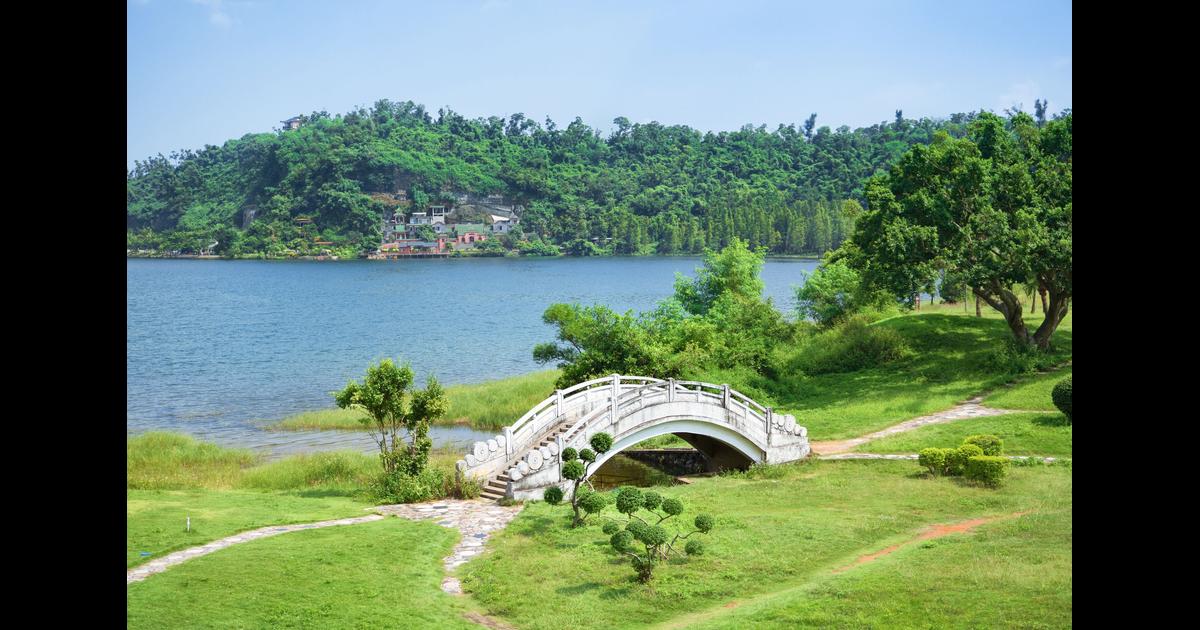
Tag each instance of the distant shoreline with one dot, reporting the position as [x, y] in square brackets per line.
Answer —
[338, 259]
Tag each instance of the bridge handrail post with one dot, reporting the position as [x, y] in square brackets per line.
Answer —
[670, 390]
[616, 392]
[558, 395]
[508, 445]
[770, 419]
[725, 395]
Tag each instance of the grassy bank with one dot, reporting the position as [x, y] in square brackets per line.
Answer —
[785, 534]
[487, 405]
[381, 573]
[954, 357]
[1031, 393]
[1046, 434]
[170, 476]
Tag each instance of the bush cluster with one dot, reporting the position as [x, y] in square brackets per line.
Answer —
[1061, 395]
[987, 469]
[851, 346]
[657, 544]
[975, 459]
[401, 487]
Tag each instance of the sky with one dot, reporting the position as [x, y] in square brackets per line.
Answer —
[205, 71]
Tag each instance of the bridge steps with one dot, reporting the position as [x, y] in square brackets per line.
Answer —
[497, 486]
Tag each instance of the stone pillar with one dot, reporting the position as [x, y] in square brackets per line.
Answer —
[558, 403]
[670, 390]
[770, 419]
[508, 445]
[725, 395]
[616, 392]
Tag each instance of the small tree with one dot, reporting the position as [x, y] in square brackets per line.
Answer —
[1061, 395]
[384, 394]
[575, 467]
[657, 545]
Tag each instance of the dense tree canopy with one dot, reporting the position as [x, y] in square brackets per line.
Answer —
[992, 210]
[644, 189]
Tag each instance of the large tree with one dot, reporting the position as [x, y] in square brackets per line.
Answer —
[993, 209]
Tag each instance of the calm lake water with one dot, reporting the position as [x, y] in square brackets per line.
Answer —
[219, 348]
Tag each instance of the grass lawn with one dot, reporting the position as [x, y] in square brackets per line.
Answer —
[155, 519]
[1045, 434]
[378, 574]
[1008, 574]
[488, 405]
[1032, 393]
[952, 363]
[778, 530]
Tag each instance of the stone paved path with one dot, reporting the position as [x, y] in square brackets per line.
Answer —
[475, 518]
[970, 409]
[141, 572]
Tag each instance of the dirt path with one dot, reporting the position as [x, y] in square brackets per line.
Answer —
[927, 533]
[969, 409]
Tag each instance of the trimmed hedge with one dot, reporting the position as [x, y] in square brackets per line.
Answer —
[956, 459]
[933, 459]
[987, 469]
[1061, 395]
[991, 444]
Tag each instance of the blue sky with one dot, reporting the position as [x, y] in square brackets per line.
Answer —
[204, 71]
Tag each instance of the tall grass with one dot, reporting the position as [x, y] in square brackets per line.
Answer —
[487, 405]
[159, 460]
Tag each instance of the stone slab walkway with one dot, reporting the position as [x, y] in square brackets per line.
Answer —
[969, 409]
[477, 519]
[141, 572]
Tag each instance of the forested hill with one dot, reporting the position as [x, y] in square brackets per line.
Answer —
[647, 188]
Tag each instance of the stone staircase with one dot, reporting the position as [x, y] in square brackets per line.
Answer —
[497, 486]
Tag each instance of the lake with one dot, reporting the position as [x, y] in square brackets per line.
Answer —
[220, 348]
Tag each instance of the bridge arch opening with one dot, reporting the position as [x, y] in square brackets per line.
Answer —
[720, 447]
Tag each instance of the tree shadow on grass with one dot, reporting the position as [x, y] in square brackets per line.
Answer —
[1052, 420]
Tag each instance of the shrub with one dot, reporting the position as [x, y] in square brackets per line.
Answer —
[1014, 358]
[468, 488]
[986, 469]
[569, 454]
[850, 347]
[401, 487]
[991, 444]
[1061, 395]
[601, 442]
[574, 466]
[956, 459]
[587, 455]
[657, 543]
[573, 469]
[553, 495]
[933, 459]
[592, 502]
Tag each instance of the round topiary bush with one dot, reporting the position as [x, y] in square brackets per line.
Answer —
[933, 459]
[991, 444]
[592, 502]
[570, 454]
[674, 507]
[629, 500]
[704, 523]
[651, 500]
[553, 495]
[601, 442]
[987, 470]
[694, 547]
[587, 455]
[611, 528]
[573, 469]
[1061, 395]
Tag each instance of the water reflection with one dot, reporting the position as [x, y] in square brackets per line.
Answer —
[620, 470]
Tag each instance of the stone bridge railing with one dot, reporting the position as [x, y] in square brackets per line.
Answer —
[620, 405]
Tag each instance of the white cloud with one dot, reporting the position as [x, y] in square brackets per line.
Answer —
[1020, 95]
[216, 13]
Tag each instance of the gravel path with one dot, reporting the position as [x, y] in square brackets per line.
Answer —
[475, 518]
[970, 409]
[141, 572]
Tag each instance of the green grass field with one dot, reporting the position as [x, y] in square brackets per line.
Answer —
[488, 405]
[1046, 434]
[1031, 393]
[155, 520]
[952, 363]
[379, 574]
[781, 534]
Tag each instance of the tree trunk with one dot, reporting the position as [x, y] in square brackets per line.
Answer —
[1057, 311]
[1042, 292]
[978, 313]
[1009, 306]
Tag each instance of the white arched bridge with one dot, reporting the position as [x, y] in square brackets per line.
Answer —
[729, 428]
